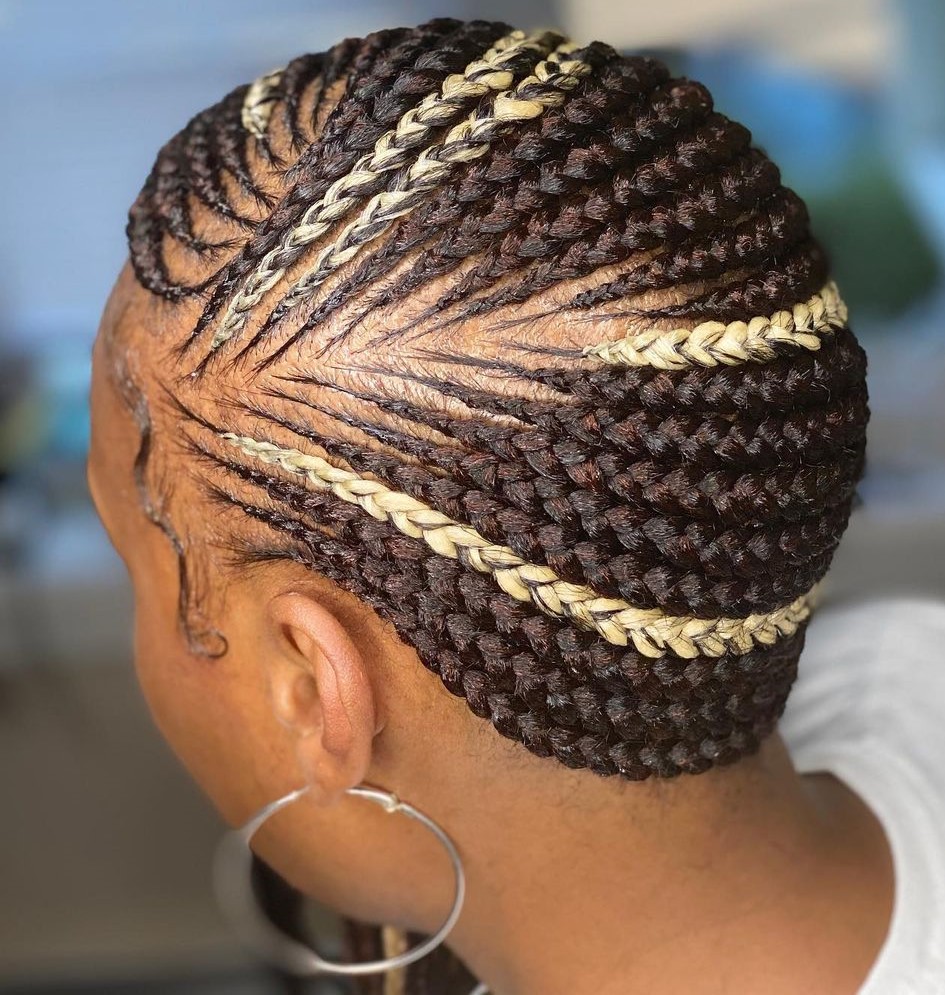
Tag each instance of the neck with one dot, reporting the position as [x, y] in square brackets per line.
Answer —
[742, 879]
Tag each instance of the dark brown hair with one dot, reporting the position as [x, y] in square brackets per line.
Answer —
[605, 543]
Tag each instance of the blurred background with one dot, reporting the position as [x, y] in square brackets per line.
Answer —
[104, 844]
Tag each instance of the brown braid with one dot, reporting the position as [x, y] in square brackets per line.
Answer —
[413, 257]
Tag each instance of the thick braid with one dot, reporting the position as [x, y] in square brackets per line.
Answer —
[487, 476]
[750, 440]
[512, 229]
[708, 491]
[784, 494]
[494, 72]
[507, 458]
[780, 224]
[714, 342]
[775, 287]
[580, 238]
[795, 380]
[651, 632]
[503, 466]
[656, 563]
[568, 437]
[555, 712]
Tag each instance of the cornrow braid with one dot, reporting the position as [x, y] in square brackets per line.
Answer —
[494, 71]
[259, 103]
[578, 239]
[304, 74]
[724, 564]
[380, 73]
[528, 347]
[715, 342]
[660, 562]
[454, 202]
[652, 633]
[469, 140]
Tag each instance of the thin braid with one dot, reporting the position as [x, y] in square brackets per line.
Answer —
[233, 151]
[387, 54]
[301, 75]
[552, 78]
[203, 155]
[390, 152]
[455, 201]
[260, 101]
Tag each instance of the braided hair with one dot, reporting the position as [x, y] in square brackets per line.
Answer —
[528, 347]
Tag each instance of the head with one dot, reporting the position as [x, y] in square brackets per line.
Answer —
[475, 415]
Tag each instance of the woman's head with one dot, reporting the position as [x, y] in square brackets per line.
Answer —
[474, 349]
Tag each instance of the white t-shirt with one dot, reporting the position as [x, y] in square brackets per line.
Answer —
[869, 707]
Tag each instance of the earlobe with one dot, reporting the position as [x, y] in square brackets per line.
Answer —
[321, 692]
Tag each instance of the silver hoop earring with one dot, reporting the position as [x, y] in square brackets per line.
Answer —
[237, 901]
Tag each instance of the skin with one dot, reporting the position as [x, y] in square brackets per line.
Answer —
[745, 879]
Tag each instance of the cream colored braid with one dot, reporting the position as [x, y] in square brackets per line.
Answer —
[391, 151]
[714, 342]
[652, 632]
[259, 102]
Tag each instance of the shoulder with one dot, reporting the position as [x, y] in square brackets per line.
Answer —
[869, 707]
[867, 663]
[879, 627]
[871, 682]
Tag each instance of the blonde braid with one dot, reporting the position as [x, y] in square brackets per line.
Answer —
[713, 342]
[391, 151]
[469, 140]
[259, 102]
[652, 632]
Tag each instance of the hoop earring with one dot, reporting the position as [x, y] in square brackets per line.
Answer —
[237, 901]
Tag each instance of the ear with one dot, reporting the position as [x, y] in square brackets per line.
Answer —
[321, 692]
